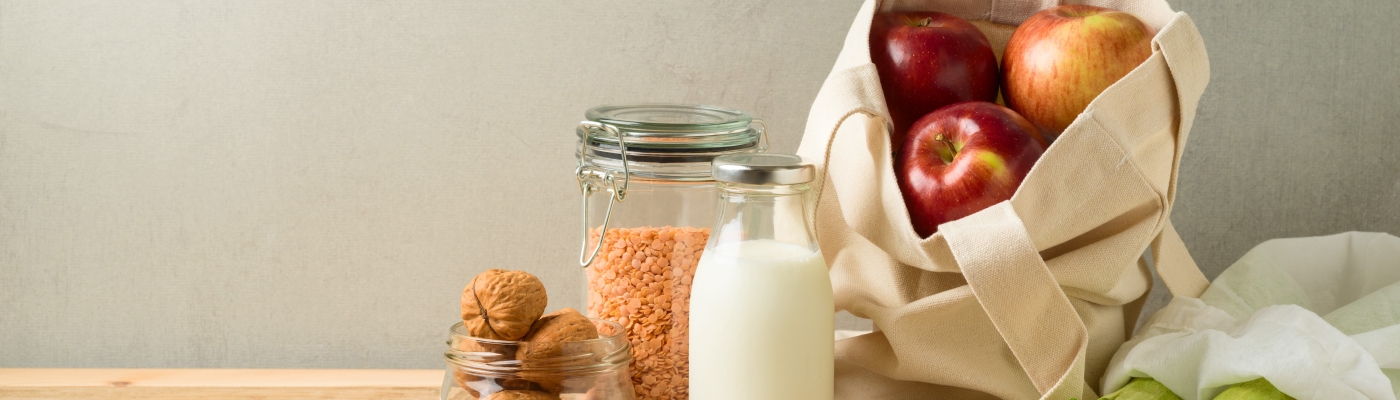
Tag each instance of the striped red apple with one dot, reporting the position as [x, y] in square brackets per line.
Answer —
[1061, 58]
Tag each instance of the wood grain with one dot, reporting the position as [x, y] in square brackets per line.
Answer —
[218, 384]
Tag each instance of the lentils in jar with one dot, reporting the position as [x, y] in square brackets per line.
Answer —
[647, 273]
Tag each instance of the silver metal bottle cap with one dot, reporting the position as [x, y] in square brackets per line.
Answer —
[762, 169]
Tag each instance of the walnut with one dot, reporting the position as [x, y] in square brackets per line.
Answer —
[566, 325]
[520, 395]
[545, 344]
[502, 305]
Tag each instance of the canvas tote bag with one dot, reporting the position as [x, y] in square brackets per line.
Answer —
[1031, 297]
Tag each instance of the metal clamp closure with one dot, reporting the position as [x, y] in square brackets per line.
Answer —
[591, 179]
[762, 135]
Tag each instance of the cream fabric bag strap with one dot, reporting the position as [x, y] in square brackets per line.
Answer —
[1022, 298]
[1179, 272]
[1185, 53]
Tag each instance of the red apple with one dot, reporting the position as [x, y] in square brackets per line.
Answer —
[927, 60]
[1061, 58]
[964, 158]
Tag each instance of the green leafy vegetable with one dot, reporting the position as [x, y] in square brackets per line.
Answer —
[1150, 389]
[1258, 389]
[1142, 389]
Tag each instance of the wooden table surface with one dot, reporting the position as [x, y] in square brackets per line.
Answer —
[31, 383]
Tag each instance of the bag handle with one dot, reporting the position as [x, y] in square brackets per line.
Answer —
[1185, 53]
[1174, 264]
[841, 97]
[1016, 289]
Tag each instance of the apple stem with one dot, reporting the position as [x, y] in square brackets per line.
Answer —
[952, 149]
[918, 23]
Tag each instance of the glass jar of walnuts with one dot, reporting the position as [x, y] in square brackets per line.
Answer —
[491, 369]
[641, 242]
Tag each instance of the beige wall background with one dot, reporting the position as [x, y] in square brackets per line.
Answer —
[309, 184]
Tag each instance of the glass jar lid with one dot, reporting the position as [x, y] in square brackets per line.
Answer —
[666, 141]
[674, 126]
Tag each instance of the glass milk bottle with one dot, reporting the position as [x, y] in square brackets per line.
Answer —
[762, 317]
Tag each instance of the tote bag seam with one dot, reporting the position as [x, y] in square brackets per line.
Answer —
[1142, 179]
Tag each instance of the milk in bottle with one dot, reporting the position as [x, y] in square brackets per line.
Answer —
[761, 311]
